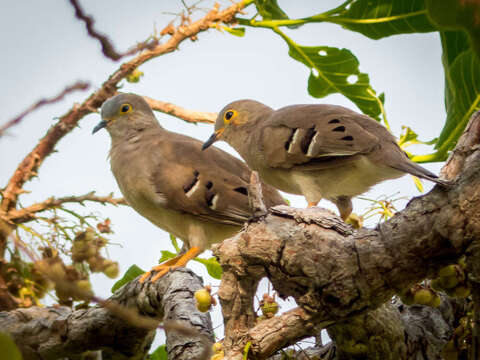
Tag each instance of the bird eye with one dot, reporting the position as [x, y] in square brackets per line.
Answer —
[126, 108]
[229, 115]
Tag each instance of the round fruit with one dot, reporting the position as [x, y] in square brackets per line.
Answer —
[423, 297]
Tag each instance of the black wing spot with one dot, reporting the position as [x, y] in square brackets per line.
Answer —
[347, 138]
[209, 198]
[307, 139]
[334, 121]
[190, 185]
[242, 190]
[290, 138]
[209, 185]
[339, 128]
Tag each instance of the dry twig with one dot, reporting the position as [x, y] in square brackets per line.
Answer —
[107, 47]
[28, 213]
[77, 86]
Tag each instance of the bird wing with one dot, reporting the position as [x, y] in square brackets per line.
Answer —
[210, 184]
[317, 137]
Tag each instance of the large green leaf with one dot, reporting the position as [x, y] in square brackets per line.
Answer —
[336, 70]
[131, 274]
[457, 15]
[462, 86]
[380, 18]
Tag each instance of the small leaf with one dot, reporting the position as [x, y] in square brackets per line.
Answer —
[131, 274]
[166, 255]
[418, 183]
[270, 10]
[213, 267]
[174, 241]
[159, 354]
[8, 348]
[238, 31]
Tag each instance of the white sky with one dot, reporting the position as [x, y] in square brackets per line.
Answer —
[45, 48]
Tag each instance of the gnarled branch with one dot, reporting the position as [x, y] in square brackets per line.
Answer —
[57, 332]
[335, 273]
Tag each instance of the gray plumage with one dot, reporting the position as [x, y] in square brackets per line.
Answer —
[200, 197]
[319, 151]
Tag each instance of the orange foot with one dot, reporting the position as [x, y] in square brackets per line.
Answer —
[312, 204]
[172, 264]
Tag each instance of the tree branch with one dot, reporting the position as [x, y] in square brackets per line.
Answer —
[77, 86]
[31, 163]
[28, 213]
[181, 113]
[57, 332]
[107, 47]
[335, 273]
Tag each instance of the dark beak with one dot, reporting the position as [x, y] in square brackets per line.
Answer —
[215, 136]
[99, 126]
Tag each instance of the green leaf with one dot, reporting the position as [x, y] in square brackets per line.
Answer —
[213, 267]
[336, 70]
[159, 354]
[8, 348]
[410, 137]
[462, 86]
[457, 15]
[166, 255]
[238, 31]
[270, 10]
[381, 18]
[131, 274]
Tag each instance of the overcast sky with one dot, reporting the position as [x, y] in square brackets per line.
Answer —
[45, 48]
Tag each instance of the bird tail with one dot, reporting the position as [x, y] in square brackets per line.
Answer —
[419, 171]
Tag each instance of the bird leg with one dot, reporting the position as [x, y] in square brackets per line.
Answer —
[344, 205]
[312, 204]
[172, 264]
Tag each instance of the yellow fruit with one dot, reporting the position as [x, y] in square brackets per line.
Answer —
[423, 297]
[449, 282]
[203, 298]
[447, 271]
[84, 285]
[112, 270]
[218, 356]
[217, 347]
[269, 308]
[202, 308]
[436, 301]
[461, 291]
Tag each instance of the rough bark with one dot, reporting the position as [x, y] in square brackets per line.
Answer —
[56, 332]
[335, 273]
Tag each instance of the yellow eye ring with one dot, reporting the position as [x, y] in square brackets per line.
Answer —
[229, 115]
[126, 108]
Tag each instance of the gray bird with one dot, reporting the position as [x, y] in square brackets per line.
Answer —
[318, 151]
[199, 197]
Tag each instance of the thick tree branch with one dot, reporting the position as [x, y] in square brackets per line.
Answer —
[28, 213]
[57, 332]
[335, 273]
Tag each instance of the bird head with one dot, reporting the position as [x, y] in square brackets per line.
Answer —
[125, 113]
[236, 116]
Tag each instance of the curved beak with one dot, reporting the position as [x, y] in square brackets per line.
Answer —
[215, 136]
[99, 126]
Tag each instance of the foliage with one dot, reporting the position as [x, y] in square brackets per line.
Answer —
[8, 349]
[335, 70]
